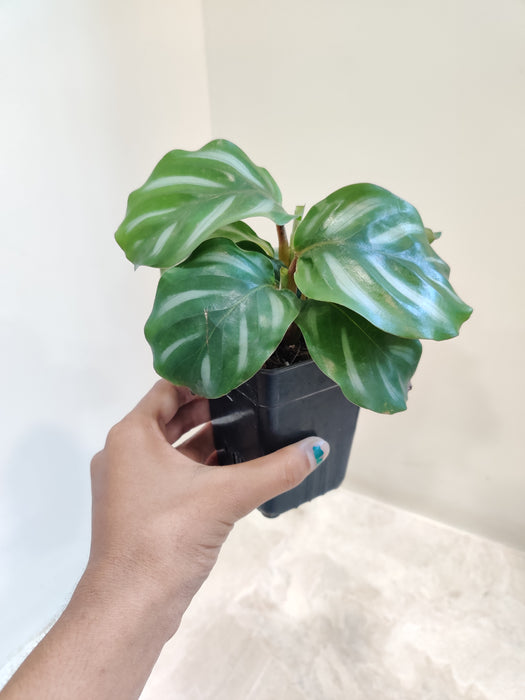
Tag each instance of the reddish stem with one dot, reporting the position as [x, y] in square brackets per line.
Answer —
[291, 274]
[284, 248]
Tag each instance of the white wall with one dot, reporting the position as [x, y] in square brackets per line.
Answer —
[427, 99]
[92, 93]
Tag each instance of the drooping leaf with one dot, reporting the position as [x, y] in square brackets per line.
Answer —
[217, 317]
[366, 249]
[239, 232]
[373, 368]
[190, 195]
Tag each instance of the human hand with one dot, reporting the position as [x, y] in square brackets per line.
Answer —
[161, 515]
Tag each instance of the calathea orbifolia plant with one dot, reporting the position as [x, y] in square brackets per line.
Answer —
[359, 278]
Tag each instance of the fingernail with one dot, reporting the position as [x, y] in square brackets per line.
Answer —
[317, 450]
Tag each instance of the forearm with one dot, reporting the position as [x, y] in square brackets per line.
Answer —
[103, 646]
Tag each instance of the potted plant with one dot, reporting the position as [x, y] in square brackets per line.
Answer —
[350, 295]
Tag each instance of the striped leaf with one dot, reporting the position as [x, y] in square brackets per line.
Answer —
[366, 249]
[217, 317]
[373, 368]
[190, 195]
[241, 233]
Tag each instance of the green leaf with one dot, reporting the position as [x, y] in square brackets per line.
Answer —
[432, 235]
[190, 195]
[239, 232]
[366, 249]
[217, 317]
[373, 368]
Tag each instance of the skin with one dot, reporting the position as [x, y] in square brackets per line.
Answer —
[160, 517]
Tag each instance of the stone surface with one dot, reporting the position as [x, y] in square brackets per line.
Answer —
[347, 597]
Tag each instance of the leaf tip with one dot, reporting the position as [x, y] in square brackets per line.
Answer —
[432, 235]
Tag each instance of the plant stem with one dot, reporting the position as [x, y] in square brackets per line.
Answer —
[284, 247]
[299, 211]
[291, 272]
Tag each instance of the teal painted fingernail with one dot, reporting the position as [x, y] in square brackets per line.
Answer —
[317, 450]
[318, 453]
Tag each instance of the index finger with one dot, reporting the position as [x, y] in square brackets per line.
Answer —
[163, 401]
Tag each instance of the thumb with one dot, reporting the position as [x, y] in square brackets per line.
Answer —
[252, 483]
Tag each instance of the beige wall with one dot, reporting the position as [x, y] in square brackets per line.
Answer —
[92, 93]
[427, 99]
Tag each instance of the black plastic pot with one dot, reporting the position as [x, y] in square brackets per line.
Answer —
[278, 407]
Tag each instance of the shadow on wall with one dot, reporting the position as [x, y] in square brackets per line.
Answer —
[44, 532]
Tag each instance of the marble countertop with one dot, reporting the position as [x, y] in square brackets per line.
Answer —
[349, 598]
